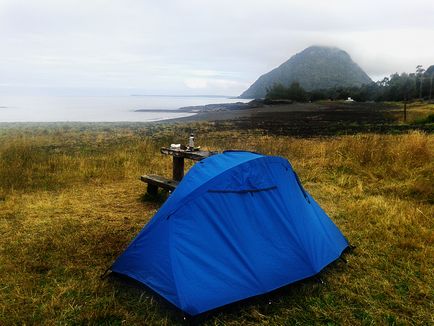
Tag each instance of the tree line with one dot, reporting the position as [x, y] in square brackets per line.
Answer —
[397, 87]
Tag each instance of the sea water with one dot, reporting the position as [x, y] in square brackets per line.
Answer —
[99, 108]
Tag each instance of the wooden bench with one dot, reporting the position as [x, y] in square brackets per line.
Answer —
[156, 181]
[179, 155]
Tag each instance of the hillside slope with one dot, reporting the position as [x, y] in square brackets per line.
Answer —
[316, 67]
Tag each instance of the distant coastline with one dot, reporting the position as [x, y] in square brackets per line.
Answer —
[210, 107]
[187, 96]
[101, 108]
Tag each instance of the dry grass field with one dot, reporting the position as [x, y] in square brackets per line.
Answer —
[71, 201]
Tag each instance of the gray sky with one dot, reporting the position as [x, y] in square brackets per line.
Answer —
[197, 46]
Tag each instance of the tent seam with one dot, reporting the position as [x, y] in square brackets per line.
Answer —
[182, 204]
[177, 293]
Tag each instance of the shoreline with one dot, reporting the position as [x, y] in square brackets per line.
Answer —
[235, 111]
[317, 119]
[47, 109]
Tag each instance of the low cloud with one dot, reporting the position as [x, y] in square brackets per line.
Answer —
[217, 85]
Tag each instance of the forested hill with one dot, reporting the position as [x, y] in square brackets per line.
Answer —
[430, 71]
[316, 67]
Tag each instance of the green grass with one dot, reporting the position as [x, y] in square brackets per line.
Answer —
[425, 120]
[417, 112]
[71, 201]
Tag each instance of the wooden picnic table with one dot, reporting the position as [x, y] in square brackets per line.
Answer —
[179, 155]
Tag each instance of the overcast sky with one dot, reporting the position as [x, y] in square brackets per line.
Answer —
[197, 46]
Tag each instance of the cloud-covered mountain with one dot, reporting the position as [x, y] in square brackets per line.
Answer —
[316, 67]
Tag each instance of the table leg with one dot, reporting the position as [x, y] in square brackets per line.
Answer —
[152, 190]
[178, 168]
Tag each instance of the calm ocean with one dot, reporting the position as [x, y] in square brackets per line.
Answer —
[98, 109]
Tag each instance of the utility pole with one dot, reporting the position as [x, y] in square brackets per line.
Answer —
[405, 100]
[419, 73]
[420, 89]
[430, 88]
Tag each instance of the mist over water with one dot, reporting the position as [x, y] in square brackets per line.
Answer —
[98, 108]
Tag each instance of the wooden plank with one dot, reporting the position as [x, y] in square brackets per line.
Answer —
[191, 155]
[159, 181]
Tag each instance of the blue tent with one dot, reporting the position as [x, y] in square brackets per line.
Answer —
[239, 224]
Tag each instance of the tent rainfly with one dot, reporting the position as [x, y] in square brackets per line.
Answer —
[239, 224]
